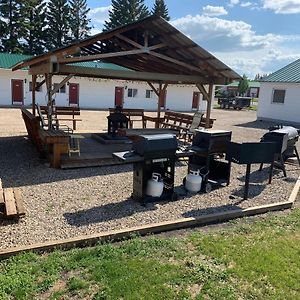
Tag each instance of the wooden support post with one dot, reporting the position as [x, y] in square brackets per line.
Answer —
[209, 104]
[160, 94]
[48, 78]
[33, 93]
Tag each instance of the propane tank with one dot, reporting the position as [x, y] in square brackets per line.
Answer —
[193, 181]
[155, 186]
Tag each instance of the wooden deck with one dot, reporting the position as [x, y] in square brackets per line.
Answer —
[93, 154]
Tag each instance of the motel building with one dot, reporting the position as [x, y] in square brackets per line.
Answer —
[92, 93]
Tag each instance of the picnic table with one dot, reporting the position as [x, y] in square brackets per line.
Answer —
[59, 141]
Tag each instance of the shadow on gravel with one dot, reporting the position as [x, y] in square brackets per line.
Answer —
[107, 212]
[210, 210]
[20, 165]
[254, 191]
[256, 124]
[257, 176]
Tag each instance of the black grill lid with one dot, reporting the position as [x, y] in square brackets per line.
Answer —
[117, 117]
[155, 143]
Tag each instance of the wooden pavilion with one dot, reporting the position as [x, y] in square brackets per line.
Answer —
[151, 48]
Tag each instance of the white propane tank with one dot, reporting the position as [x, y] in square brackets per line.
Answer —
[193, 181]
[155, 187]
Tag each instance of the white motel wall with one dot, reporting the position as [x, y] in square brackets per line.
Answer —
[287, 112]
[100, 93]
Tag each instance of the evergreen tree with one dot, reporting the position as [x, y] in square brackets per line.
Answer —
[124, 12]
[79, 22]
[58, 17]
[2, 33]
[12, 25]
[35, 27]
[160, 9]
[243, 85]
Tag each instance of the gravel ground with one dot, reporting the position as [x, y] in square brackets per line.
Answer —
[67, 203]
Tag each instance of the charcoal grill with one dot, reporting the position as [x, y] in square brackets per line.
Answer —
[152, 154]
[252, 153]
[115, 121]
[209, 146]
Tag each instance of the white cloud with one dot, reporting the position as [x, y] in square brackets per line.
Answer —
[246, 4]
[233, 2]
[209, 10]
[99, 15]
[282, 6]
[227, 35]
[238, 45]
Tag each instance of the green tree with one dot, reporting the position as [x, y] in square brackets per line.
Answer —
[12, 25]
[124, 12]
[79, 21]
[58, 17]
[160, 9]
[35, 22]
[243, 85]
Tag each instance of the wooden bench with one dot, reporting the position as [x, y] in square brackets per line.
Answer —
[32, 124]
[184, 123]
[181, 121]
[133, 114]
[64, 111]
[11, 203]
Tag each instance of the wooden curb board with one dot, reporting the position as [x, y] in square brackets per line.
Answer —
[115, 235]
[11, 203]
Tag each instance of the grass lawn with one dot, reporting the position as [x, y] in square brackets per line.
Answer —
[243, 261]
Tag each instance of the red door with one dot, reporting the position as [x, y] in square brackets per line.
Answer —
[17, 91]
[119, 96]
[73, 94]
[163, 99]
[196, 98]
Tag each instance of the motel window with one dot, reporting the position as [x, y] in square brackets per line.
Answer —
[278, 96]
[149, 94]
[39, 89]
[132, 93]
[61, 90]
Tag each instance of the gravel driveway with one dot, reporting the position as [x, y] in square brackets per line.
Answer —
[67, 203]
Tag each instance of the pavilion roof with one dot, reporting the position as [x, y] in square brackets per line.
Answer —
[151, 45]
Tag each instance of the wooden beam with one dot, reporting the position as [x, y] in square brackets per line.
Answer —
[129, 41]
[131, 75]
[153, 88]
[40, 69]
[203, 91]
[33, 87]
[209, 104]
[175, 61]
[102, 56]
[61, 84]
[48, 78]
[40, 84]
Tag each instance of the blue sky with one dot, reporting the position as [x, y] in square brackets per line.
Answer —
[251, 36]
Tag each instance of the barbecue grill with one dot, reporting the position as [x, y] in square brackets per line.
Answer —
[252, 153]
[209, 146]
[285, 138]
[292, 139]
[152, 154]
[116, 121]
